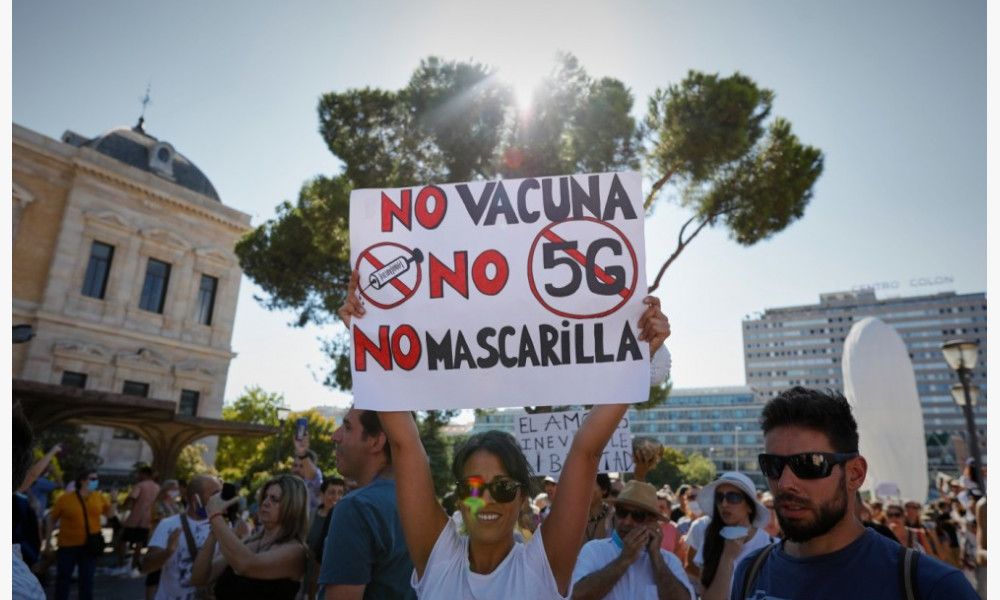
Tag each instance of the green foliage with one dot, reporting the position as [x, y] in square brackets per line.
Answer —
[77, 453]
[437, 447]
[191, 462]
[245, 460]
[676, 468]
[698, 469]
[707, 136]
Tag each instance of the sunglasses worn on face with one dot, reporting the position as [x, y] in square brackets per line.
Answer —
[638, 516]
[894, 515]
[502, 489]
[729, 497]
[808, 465]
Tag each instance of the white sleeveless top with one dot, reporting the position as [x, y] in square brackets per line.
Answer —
[524, 573]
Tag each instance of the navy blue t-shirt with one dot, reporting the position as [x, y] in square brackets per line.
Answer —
[866, 568]
[365, 544]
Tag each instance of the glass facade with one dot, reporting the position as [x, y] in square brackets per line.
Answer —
[784, 347]
[718, 423]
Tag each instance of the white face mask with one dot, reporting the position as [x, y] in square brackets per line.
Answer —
[174, 494]
[733, 532]
[695, 508]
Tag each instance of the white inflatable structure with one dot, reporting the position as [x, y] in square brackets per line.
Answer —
[881, 388]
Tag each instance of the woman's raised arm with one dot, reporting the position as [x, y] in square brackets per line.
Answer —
[421, 515]
[563, 528]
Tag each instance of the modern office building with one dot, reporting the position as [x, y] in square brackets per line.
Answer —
[718, 423]
[123, 265]
[803, 345]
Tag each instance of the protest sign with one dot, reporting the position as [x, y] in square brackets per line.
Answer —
[545, 438]
[500, 293]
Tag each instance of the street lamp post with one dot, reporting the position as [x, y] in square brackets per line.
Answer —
[961, 356]
[736, 443]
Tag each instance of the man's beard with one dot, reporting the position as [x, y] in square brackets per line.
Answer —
[829, 514]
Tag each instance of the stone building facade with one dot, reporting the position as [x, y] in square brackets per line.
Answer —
[123, 263]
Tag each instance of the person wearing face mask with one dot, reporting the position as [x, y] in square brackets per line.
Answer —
[736, 530]
[176, 539]
[632, 562]
[167, 504]
[74, 527]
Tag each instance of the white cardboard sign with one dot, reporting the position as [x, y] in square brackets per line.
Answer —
[500, 293]
[545, 438]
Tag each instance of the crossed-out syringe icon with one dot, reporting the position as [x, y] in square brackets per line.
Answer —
[394, 269]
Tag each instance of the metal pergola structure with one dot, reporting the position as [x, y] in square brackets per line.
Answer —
[155, 421]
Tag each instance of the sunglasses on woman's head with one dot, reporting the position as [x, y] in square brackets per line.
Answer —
[637, 515]
[729, 497]
[502, 489]
[808, 465]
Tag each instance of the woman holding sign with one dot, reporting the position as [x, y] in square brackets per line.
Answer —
[479, 558]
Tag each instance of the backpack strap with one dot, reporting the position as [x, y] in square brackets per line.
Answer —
[86, 522]
[751, 575]
[188, 537]
[908, 572]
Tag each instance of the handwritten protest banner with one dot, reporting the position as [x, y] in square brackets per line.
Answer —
[545, 439]
[500, 293]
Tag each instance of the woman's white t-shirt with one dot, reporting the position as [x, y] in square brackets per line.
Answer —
[524, 573]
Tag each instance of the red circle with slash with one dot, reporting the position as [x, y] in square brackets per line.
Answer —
[590, 228]
[377, 256]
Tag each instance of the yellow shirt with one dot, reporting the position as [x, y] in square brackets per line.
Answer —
[69, 512]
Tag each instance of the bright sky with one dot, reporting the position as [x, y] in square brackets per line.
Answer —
[893, 92]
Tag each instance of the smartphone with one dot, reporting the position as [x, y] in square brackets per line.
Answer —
[229, 491]
[200, 510]
[300, 427]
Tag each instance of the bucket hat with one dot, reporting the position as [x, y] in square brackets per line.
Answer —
[706, 498]
[639, 494]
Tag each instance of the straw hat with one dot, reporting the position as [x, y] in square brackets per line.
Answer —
[706, 498]
[639, 494]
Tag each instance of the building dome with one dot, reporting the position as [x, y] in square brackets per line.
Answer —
[138, 149]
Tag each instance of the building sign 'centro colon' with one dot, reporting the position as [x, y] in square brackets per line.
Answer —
[913, 283]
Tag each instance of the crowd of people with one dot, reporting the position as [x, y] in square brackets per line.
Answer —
[378, 530]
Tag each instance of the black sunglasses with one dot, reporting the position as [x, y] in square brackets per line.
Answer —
[894, 515]
[808, 465]
[502, 489]
[638, 516]
[730, 497]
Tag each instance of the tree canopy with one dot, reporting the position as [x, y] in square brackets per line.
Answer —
[711, 139]
[250, 461]
[676, 468]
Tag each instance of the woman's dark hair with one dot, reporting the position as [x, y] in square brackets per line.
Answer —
[82, 476]
[328, 481]
[604, 482]
[504, 447]
[827, 412]
[712, 550]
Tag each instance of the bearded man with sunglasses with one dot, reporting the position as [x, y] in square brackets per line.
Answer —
[814, 470]
[631, 563]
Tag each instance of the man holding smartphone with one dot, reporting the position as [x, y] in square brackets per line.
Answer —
[304, 464]
[176, 540]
